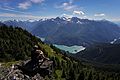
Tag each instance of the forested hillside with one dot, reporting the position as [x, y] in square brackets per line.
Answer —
[104, 53]
[16, 44]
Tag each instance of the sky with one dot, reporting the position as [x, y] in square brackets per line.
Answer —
[38, 9]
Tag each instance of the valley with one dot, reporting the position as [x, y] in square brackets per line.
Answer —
[71, 31]
[90, 56]
[59, 40]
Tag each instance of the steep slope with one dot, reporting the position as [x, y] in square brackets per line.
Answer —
[117, 23]
[105, 53]
[85, 33]
[46, 28]
[71, 31]
[15, 43]
[64, 68]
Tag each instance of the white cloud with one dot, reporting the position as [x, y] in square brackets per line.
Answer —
[99, 15]
[24, 5]
[27, 4]
[23, 16]
[65, 4]
[6, 5]
[9, 7]
[85, 17]
[68, 6]
[19, 16]
[7, 15]
[66, 15]
[37, 1]
[12, 10]
[114, 19]
[78, 12]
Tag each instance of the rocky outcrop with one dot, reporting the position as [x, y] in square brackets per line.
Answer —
[35, 69]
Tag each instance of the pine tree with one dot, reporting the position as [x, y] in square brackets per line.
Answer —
[81, 76]
[90, 76]
[63, 74]
[71, 74]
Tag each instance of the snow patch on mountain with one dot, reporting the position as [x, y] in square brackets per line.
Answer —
[112, 42]
[79, 22]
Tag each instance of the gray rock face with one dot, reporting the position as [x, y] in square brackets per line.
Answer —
[28, 70]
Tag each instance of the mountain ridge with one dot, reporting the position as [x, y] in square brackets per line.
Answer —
[72, 31]
[102, 53]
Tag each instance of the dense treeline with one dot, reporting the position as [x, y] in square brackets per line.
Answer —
[69, 68]
[15, 43]
[74, 70]
[103, 53]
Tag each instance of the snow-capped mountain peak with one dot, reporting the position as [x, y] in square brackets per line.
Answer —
[112, 42]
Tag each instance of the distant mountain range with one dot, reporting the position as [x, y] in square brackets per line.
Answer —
[71, 31]
[23, 24]
[118, 23]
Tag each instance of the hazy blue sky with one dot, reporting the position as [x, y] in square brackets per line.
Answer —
[36, 9]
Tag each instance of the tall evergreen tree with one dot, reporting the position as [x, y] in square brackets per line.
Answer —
[90, 77]
[81, 76]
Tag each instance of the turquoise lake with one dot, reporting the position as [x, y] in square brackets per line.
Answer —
[72, 49]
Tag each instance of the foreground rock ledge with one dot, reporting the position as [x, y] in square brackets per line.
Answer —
[36, 68]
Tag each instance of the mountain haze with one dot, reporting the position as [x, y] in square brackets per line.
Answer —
[71, 31]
